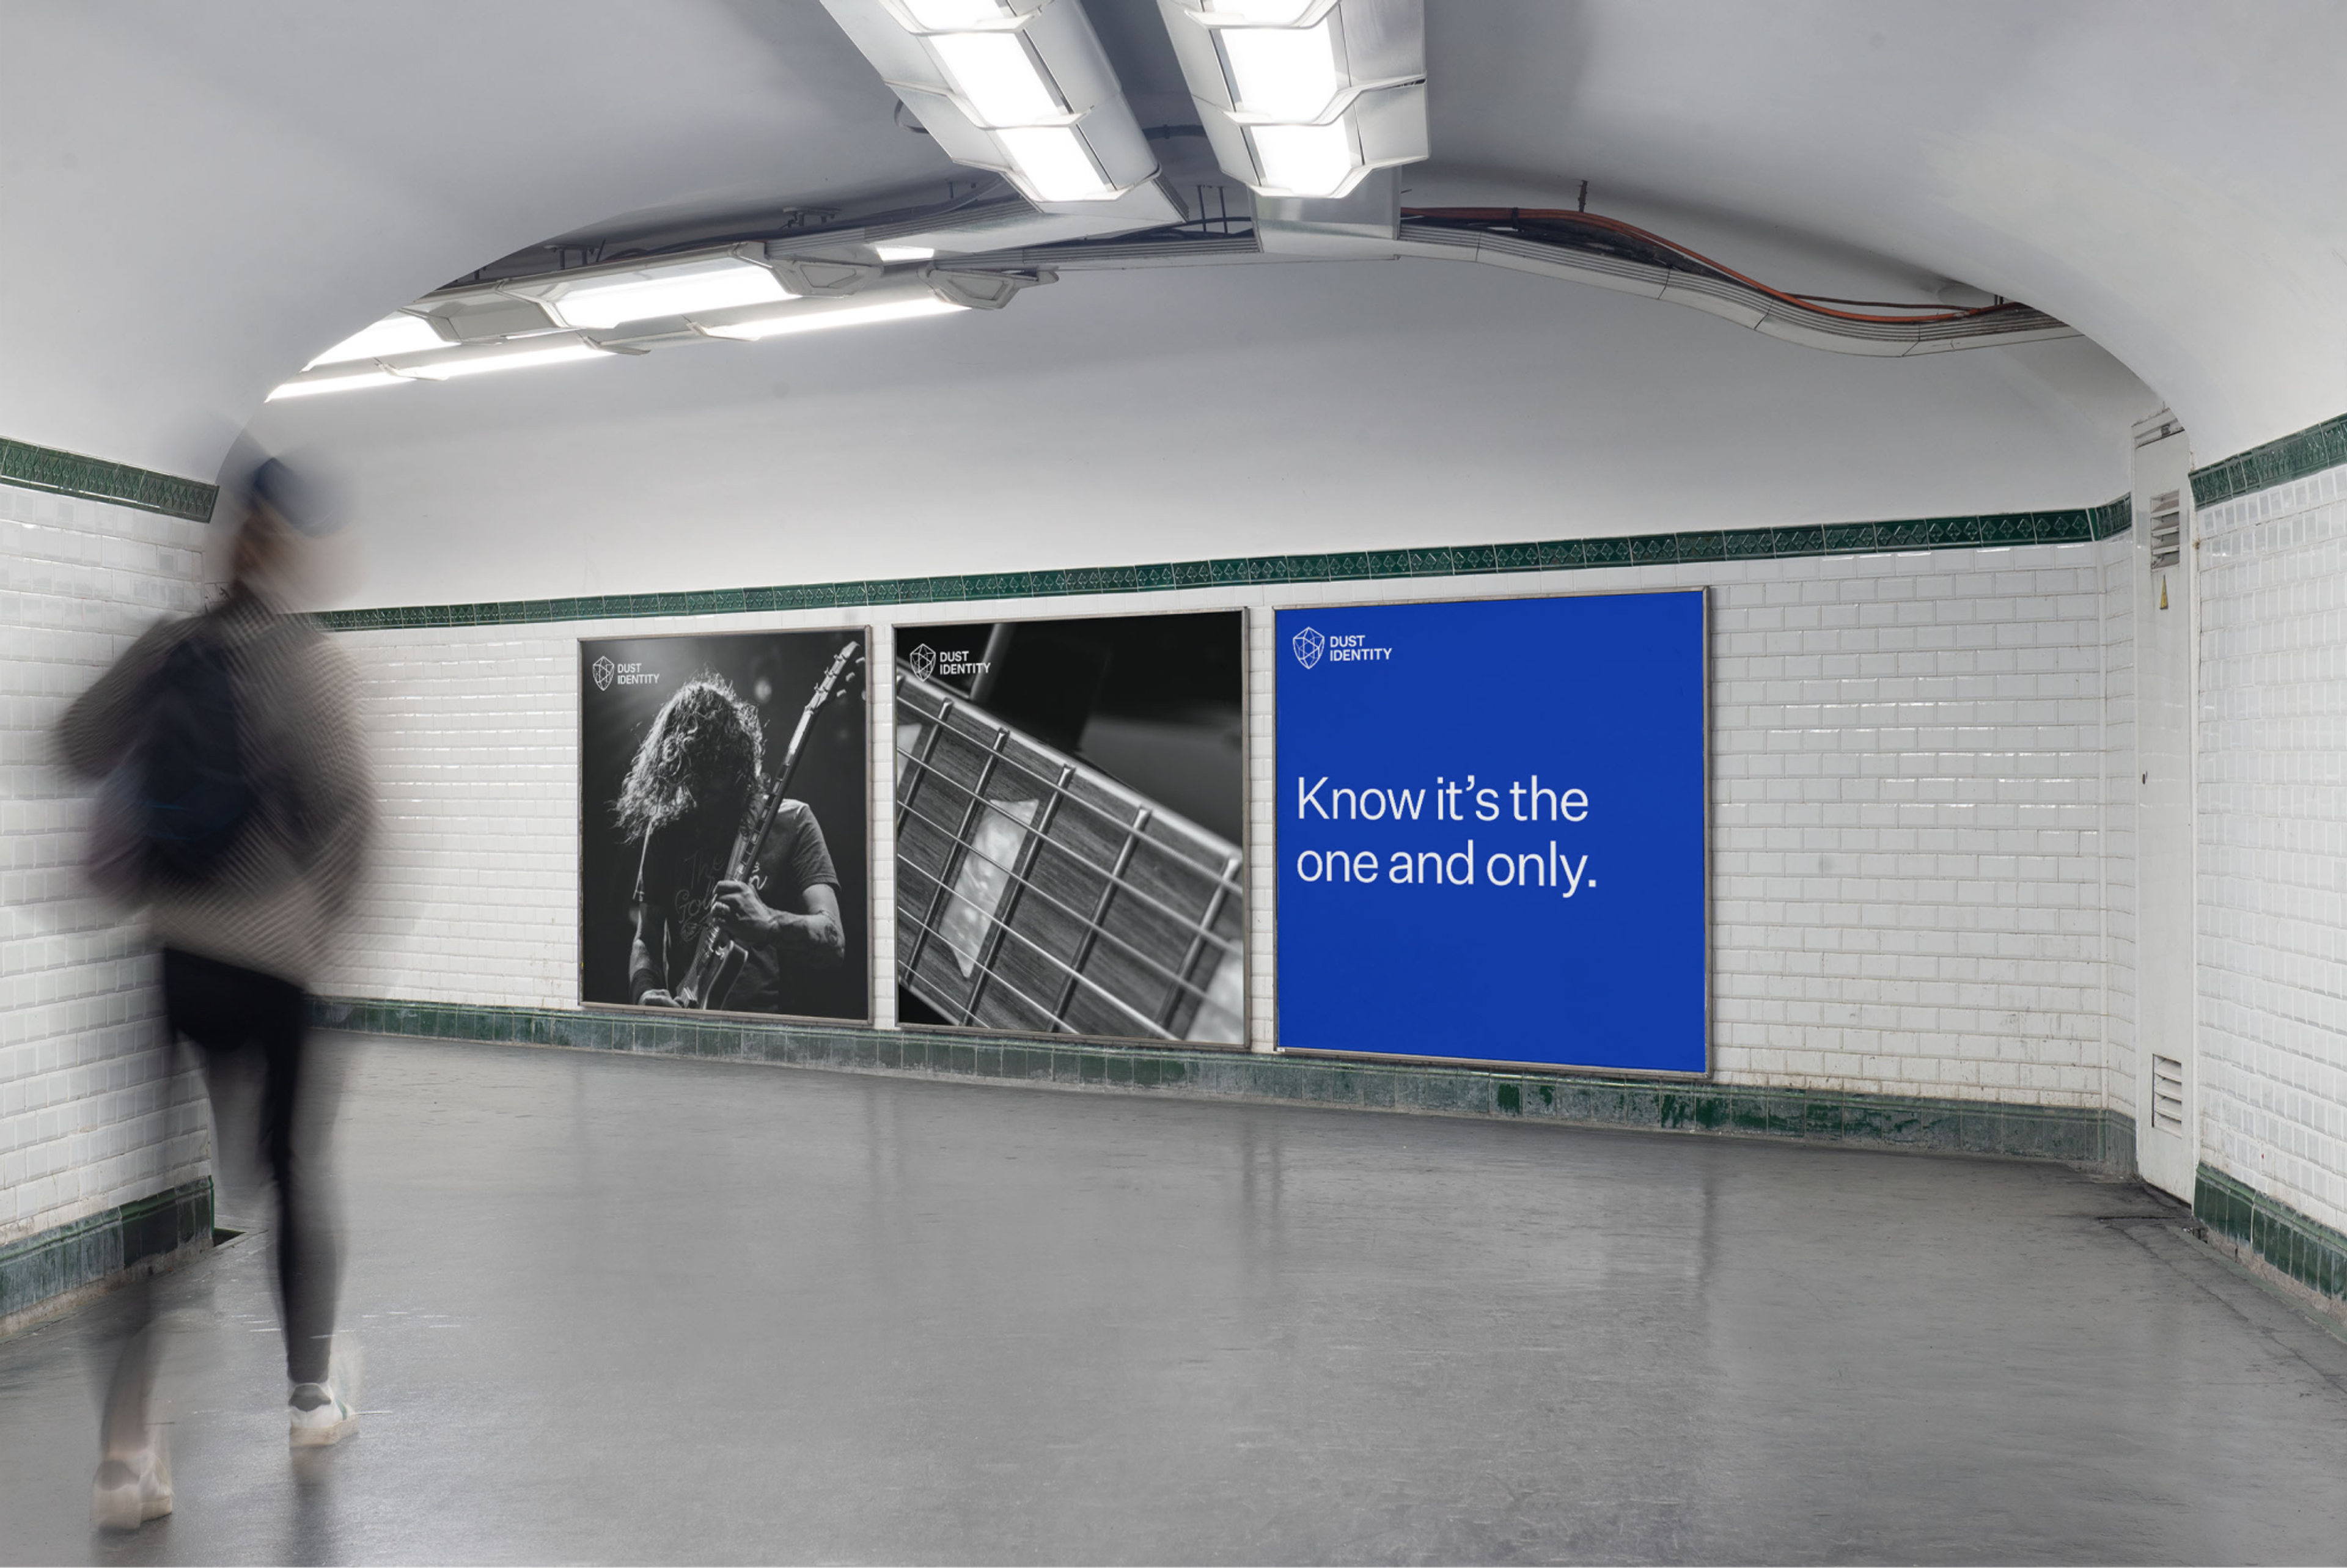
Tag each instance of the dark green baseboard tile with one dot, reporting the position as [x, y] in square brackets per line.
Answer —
[2099, 1139]
[2298, 1248]
[54, 1262]
[2074, 526]
[34, 468]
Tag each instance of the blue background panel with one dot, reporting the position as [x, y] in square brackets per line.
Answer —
[1579, 943]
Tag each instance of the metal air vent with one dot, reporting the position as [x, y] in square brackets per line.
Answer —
[2166, 1093]
[2166, 529]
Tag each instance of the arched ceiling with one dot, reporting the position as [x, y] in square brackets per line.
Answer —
[196, 199]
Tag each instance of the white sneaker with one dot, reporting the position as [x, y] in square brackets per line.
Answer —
[130, 1490]
[327, 1412]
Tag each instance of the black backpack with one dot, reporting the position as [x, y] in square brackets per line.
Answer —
[194, 793]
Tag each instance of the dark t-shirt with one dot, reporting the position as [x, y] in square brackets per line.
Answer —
[680, 866]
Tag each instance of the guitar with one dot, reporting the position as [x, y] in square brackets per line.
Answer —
[717, 963]
[1036, 894]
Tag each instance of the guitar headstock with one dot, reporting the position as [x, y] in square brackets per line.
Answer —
[845, 665]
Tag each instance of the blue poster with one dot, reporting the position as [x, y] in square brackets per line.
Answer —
[1491, 830]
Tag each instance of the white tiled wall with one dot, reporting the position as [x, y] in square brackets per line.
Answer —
[1909, 826]
[92, 1110]
[2273, 841]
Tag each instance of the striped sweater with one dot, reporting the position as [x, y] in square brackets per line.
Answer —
[293, 868]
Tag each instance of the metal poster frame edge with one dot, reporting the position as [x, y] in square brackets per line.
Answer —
[860, 629]
[1710, 1066]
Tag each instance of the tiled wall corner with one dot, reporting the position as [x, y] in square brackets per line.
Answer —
[2273, 874]
[1911, 753]
[95, 1112]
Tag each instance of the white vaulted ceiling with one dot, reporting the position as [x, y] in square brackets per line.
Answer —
[196, 199]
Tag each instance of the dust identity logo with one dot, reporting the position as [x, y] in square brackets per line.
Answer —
[927, 662]
[1349, 647]
[607, 674]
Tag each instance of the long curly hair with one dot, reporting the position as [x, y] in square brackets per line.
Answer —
[703, 750]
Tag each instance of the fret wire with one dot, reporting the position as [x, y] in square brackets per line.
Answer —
[1131, 887]
[1190, 958]
[968, 816]
[1000, 730]
[1098, 922]
[1029, 845]
[996, 977]
[1186, 921]
[971, 849]
[911, 981]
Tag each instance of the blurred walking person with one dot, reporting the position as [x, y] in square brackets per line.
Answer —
[237, 810]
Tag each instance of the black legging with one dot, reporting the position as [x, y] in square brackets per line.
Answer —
[242, 1019]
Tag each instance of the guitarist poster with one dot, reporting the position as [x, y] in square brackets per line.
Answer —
[723, 823]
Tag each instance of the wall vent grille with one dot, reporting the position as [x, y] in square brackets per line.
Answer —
[2166, 529]
[2168, 1093]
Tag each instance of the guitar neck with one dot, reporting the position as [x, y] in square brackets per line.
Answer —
[1038, 894]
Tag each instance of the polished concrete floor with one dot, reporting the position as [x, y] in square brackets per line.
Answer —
[632, 1310]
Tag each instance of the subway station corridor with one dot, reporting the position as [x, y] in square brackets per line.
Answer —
[624, 1308]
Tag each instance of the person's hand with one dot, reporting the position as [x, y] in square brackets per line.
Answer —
[741, 914]
[656, 998]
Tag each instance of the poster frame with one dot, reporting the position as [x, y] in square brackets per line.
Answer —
[1710, 924]
[1246, 952]
[861, 631]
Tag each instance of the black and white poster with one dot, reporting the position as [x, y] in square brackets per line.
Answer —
[723, 823]
[1069, 807]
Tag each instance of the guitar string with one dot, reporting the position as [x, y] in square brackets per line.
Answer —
[945, 720]
[1188, 922]
[997, 977]
[1171, 976]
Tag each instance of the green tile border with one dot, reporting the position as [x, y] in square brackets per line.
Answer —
[34, 468]
[54, 1262]
[2075, 526]
[2299, 1249]
[2278, 462]
[2099, 1139]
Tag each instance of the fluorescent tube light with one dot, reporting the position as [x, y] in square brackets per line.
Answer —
[999, 77]
[1056, 162]
[515, 354]
[1305, 160]
[637, 296]
[808, 321]
[397, 332]
[1285, 74]
[1262, 13]
[904, 252]
[948, 16]
[311, 386]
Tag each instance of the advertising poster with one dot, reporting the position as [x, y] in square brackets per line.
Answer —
[1490, 831]
[723, 823]
[1070, 801]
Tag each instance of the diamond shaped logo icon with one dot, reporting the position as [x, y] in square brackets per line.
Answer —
[1307, 644]
[925, 661]
[602, 670]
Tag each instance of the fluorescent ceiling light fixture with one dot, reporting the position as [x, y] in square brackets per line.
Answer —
[311, 386]
[509, 357]
[397, 332]
[904, 252]
[947, 15]
[999, 77]
[639, 296]
[1056, 162]
[808, 321]
[1285, 74]
[1262, 13]
[1305, 160]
